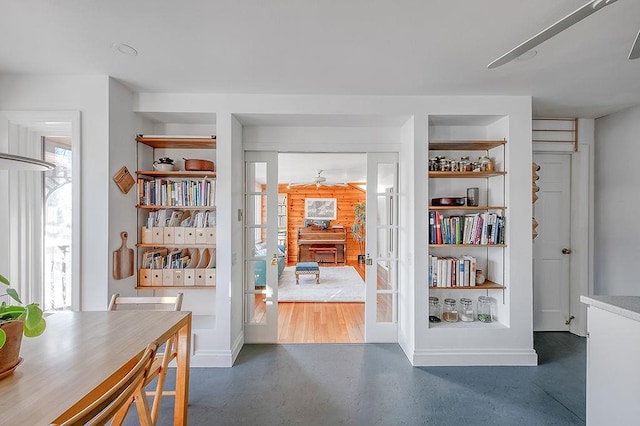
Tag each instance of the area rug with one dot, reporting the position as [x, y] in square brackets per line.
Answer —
[337, 284]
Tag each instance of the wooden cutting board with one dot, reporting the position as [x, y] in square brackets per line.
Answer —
[123, 260]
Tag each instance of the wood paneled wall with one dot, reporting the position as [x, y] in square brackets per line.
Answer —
[346, 196]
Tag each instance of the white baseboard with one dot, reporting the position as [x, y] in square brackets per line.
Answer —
[212, 358]
[426, 358]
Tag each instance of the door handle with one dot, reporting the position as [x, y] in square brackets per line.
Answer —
[274, 260]
[566, 251]
[368, 260]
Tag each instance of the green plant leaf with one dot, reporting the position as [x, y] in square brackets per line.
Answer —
[14, 294]
[4, 280]
[34, 323]
[3, 338]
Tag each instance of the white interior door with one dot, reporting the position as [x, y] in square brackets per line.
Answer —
[381, 308]
[552, 246]
[260, 247]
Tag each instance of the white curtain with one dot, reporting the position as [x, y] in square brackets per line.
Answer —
[26, 216]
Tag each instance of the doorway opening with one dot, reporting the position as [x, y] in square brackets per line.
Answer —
[321, 220]
[316, 262]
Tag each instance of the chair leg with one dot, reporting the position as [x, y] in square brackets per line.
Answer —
[142, 405]
[157, 398]
[168, 351]
[118, 419]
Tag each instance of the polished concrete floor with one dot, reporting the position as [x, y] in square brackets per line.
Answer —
[344, 384]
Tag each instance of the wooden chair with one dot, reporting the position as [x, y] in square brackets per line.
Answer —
[162, 360]
[117, 399]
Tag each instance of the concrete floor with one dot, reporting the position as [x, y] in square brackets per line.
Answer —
[344, 384]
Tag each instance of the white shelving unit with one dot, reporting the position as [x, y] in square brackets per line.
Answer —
[199, 296]
[507, 341]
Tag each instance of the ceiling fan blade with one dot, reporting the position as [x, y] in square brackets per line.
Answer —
[635, 49]
[564, 23]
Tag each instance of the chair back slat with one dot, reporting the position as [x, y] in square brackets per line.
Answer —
[172, 303]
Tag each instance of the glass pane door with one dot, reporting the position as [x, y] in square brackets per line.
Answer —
[260, 247]
[381, 312]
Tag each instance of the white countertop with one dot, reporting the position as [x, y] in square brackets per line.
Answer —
[626, 306]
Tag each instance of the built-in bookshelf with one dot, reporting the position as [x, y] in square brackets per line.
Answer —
[465, 238]
[177, 217]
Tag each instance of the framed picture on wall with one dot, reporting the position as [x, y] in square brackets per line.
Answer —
[320, 208]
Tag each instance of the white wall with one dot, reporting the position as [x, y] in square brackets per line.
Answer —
[617, 202]
[124, 125]
[89, 95]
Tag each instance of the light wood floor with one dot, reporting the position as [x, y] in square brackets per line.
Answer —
[320, 322]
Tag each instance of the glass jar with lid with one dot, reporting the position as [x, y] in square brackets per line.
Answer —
[433, 164]
[486, 163]
[450, 310]
[486, 309]
[466, 310]
[434, 309]
[444, 164]
[465, 164]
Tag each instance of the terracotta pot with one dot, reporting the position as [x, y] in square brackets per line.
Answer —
[10, 352]
[200, 165]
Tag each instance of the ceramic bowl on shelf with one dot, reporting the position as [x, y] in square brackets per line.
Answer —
[163, 167]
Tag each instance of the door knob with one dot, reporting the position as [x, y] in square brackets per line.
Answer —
[566, 251]
[274, 260]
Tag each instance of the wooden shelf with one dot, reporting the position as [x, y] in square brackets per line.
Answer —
[467, 245]
[202, 246]
[487, 285]
[180, 143]
[464, 145]
[169, 287]
[465, 175]
[157, 207]
[177, 174]
[471, 208]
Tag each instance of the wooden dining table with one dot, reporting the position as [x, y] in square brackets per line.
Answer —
[81, 354]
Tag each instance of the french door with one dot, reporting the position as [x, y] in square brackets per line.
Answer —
[260, 247]
[381, 307]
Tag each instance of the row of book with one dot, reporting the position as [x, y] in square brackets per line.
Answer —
[175, 218]
[452, 271]
[478, 228]
[177, 192]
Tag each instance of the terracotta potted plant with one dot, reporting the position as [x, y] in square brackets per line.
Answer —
[358, 227]
[16, 320]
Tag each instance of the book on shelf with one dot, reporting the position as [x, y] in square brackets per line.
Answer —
[472, 229]
[450, 271]
[178, 192]
[174, 218]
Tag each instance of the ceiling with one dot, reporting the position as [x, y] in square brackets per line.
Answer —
[336, 167]
[359, 47]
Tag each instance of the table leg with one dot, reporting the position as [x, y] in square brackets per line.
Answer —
[182, 374]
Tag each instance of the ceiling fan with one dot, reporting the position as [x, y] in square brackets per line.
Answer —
[319, 181]
[564, 23]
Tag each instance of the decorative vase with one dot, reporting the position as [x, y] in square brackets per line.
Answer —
[10, 352]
